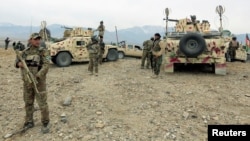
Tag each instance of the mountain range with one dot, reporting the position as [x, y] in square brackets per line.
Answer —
[133, 35]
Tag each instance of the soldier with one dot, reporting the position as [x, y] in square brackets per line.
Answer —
[7, 41]
[157, 55]
[94, 50]
[233, 45]
[102, 49]
[37, 60]
[146, 52]
[101, 29]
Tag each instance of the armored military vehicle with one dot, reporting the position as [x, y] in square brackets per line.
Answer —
[129, 50]
[192, 42]
[72, 47]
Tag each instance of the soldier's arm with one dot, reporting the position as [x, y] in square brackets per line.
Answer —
[45, 57]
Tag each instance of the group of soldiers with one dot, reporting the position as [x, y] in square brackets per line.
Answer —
[152, 52]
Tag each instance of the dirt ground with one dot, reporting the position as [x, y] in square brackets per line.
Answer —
[124, 104]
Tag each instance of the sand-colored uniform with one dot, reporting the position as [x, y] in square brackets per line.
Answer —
[37, 60]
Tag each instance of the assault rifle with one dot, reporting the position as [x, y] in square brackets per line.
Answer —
[31, 78]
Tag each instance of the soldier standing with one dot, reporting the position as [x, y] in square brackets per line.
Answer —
[37, 59]
[147, 46]
[233, 46]
[102, 49]
[7, 41]
[94, 51]
[157, 55]
[101, 29]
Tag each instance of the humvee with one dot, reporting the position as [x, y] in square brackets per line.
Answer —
[129, 50]
[72, 47]
[192, 42]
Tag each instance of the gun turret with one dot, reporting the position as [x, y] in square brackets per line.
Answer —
[65, 27]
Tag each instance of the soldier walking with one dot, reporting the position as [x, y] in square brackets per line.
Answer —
[147, 46]
[37, 59]
[94, 50]
[157, 55]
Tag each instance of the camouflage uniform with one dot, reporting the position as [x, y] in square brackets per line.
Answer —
[94, 50]
[37, 60]
[146, 53]
[157, 60]
[233, 45]
[102, 49]
[101, 29]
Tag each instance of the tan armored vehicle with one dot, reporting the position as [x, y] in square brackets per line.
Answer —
[72, 48]
[129, 50]
[192, 42]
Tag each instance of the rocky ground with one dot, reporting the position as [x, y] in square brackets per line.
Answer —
[124, 104]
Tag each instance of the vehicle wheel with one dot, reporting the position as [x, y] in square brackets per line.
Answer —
[53, 59]
[120, 55]
[112, 55]
[192, 44]
[63, 59]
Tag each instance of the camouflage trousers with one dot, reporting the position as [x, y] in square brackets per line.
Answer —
[157, 64]
[100, 57]
[29, 97]
[232, 52]
[145, 56]
[93, 62]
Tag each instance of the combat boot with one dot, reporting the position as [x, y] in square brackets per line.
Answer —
[28, 125]
[45, 128]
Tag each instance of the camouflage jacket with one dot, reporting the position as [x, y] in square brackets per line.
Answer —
[148, 44]
[36, 57]
[93, 48]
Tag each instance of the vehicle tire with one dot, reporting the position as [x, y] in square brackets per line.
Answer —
[53, 59]
[192, 44]
[112, 55]
[63, 59]
[120, 55]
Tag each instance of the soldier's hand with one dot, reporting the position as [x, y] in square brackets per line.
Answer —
[20, 64]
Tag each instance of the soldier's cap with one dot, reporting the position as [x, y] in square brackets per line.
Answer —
[101, 21]
[157, 34]
[35, 36]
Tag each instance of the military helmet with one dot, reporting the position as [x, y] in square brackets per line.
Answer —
[101, 21]
[94, 38]
[152, 38]
[234, 38]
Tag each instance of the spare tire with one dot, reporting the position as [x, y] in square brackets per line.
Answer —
[192, 44]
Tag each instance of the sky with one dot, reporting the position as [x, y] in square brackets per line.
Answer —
[123, 14]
